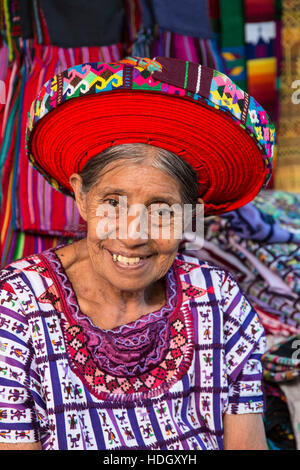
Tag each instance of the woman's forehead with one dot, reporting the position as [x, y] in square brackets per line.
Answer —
[125, 177]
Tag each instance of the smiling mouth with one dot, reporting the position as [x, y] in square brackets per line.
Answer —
[128, 260]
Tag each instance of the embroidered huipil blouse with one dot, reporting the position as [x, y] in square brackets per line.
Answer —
[164, 381]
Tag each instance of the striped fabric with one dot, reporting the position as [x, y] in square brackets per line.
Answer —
[29, 204]
[209, 366]
[263, 53]
[232, 45]
[204, 51]
[288, 161]
[33, 216]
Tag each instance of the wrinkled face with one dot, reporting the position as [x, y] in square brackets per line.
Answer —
[131, 247]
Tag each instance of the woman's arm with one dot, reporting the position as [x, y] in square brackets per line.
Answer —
[23, 446]
[244, 432]
[19, 380]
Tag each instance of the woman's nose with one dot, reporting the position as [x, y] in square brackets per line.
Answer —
[136, 230]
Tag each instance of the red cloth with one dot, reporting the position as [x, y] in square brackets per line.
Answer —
[210, 141]
[258, 10]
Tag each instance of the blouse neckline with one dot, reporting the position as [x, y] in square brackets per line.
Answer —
[76, 314]
[137, 360]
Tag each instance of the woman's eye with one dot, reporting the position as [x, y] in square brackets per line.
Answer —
[112, 202]
[163, 212]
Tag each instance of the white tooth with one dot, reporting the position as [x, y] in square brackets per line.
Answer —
[125, 260]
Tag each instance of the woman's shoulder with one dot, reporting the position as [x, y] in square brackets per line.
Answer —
[20, 267]
[195, 268]
[36, 263]
[16, 268]
[24, 279]
[217, 281]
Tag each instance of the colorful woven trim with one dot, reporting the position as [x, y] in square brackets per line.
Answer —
[171, 76]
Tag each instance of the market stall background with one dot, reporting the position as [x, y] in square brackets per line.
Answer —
[257, 44]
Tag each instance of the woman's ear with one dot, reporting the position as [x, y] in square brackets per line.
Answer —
[196, 219]
[190, 216]
[200, 208]
[75, 181]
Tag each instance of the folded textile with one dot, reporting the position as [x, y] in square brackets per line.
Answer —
[269, 292]
[277, 420]
[281, 375]
[283, 206]
[272, 321]
[281, 362]
[269, 273]
[292, 393]
[252, 223]
[276, 275]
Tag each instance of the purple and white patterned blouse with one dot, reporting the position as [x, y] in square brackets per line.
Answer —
[164, 381]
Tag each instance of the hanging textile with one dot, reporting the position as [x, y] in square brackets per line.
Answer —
[182, 30]
[263, 52]
[30, 207]
[233, 45]
[188, 18]
[287, 176]
[78, 23]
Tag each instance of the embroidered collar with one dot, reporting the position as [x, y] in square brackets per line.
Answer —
[145, 356]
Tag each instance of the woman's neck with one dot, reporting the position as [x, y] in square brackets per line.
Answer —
[107, 306]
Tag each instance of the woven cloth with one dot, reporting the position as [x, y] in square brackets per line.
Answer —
[287, 176]
[188, 18]
[267, 269]
[232, 45]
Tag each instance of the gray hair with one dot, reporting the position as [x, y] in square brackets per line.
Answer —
[137, 153]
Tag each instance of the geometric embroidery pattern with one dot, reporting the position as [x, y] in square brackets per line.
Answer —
[101, 383]
[190, 292]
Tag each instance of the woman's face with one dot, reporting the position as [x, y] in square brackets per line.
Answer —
[129, 215]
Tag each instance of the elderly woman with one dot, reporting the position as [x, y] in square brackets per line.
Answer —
[121, 340]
